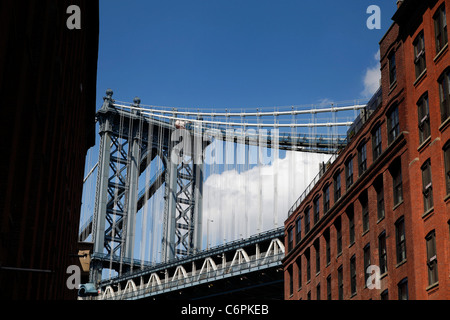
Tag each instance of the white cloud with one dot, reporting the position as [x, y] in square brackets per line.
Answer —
[372, 78]
[325, 102]
[237, 205]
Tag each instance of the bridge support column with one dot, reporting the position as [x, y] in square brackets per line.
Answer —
[133, 177]
[184, 195]
[168, 250]
[198, 186]
[101, 193]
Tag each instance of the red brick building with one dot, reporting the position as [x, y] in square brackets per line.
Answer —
[385, 201]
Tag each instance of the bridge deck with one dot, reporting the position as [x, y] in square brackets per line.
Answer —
[241, 257]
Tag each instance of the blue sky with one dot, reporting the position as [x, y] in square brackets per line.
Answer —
[237, 53]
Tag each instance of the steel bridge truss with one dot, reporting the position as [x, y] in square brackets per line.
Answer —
[129, 142]
[255, 254]
[132, 136]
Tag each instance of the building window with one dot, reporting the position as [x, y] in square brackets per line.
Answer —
[440, 29]
[431, 258]
[419, 54]
[363, 200]
[308, 265]
[384, 295]
[403, 289]
[329, 287]
[290, 238]
[353, 275]
[326, 235]
[291, 281]
[340, 284]
[308, 295]
[392, 69]
[299, 268]
[317, 249]
[316, 209]
[393, 124]
[400, 239]
[366, 261]
[337, 186]
[424, 118]
[318, 291]
[447, 166]
[307, 220]
[427, 186]
[444, 94]
[396, 172]
[376, 142]
[338, 236]
[382, 254]
[298, 228]
[349, 173]
[378, 185]
[362, 158]
[351, 224]
[326, 199]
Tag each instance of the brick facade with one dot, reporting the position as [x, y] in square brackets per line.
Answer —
[406, 223]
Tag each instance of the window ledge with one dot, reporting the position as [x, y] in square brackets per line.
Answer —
[401, 263]
[441, 53]
[444, 124]
[383, 275]
[397, 205]
[447, 197]
[420, 77]
[365, 232]
[351, 244]
[381, 219]
[424, 144]
[428, 213]
[431, 286]
[392, 87]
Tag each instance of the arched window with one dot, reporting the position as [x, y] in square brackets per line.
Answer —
[424, 117]
[431, 257]
[446, 150]
[393, 127]
[349, 172]
[362, 158]
[376, 141]
[444, 94]
[337, 185]
[400, 240]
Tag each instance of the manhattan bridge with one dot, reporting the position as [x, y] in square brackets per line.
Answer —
[192, 201]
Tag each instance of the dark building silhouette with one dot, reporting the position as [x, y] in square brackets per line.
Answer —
[48, 77]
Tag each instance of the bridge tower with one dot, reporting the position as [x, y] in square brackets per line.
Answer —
[129, 141]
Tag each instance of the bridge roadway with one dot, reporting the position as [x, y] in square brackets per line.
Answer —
[246, 268]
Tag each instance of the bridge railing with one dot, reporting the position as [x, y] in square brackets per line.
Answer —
[311, 185]
[374, 103]
[158, 286]
[156, 267]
